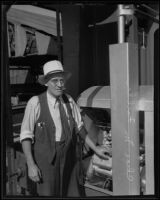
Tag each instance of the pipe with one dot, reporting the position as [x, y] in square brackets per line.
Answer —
[147, 15]
[151, 9]
[121, 33]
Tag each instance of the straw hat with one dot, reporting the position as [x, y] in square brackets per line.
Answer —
[52, 69]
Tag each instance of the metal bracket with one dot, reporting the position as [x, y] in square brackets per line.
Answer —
[125, 11]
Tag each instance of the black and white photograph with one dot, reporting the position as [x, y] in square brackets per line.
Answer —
[80, 100]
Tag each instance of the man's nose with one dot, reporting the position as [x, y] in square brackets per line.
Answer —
[59, 83]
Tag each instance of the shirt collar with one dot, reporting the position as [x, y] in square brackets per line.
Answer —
[51, 98]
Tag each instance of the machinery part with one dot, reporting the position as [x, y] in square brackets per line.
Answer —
[143, 181]
[108, 184]
[122, 12]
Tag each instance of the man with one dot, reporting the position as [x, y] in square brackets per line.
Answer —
[48, 133]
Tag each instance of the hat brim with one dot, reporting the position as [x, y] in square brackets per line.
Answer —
[43, 79]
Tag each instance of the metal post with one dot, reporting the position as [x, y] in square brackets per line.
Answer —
[149, 152]
[58, 34]
[124, 119]
[121, 33]
[6, 119]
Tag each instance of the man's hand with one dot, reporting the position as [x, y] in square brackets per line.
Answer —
[33, 170]
[102, 152]
[34, 173]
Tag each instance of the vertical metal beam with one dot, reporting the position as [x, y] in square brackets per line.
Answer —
[133, 29]
[149, 152]
[124, 118]
[150, 54]
[9, 50]
[143, 73]
[58, 34]
[6, 118]
[121, 32]
[12, 181]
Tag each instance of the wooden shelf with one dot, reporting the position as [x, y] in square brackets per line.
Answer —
[19, 106]
[16, 137]
[27, 89]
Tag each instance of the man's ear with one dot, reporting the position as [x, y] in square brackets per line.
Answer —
[46, 85]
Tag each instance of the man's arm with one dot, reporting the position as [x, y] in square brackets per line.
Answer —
[101, 152]
[33, 171]
[26, 136]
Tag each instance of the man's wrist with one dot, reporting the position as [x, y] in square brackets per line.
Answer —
[30, 162]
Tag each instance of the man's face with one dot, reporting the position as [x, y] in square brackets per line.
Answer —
[56, 85]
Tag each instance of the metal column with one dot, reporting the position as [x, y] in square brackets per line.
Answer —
[121, 26]
[6, 119]
[59, 34]
[149, 152]
[124, 118]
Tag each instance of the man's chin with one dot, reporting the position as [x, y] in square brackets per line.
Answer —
[60, 92]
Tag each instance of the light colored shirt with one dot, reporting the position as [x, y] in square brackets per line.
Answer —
[32, 113]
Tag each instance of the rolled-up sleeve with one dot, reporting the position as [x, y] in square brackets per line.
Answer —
[31, 115]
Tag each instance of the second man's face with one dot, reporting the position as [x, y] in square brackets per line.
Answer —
[56, 85]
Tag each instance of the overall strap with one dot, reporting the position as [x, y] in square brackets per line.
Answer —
[69, 109]
[45, 114]
[79, 142]
[66, 101]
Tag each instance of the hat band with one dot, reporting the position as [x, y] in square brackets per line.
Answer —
[55, 71]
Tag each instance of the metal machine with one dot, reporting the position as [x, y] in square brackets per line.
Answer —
[130, 138]
[95, 103]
